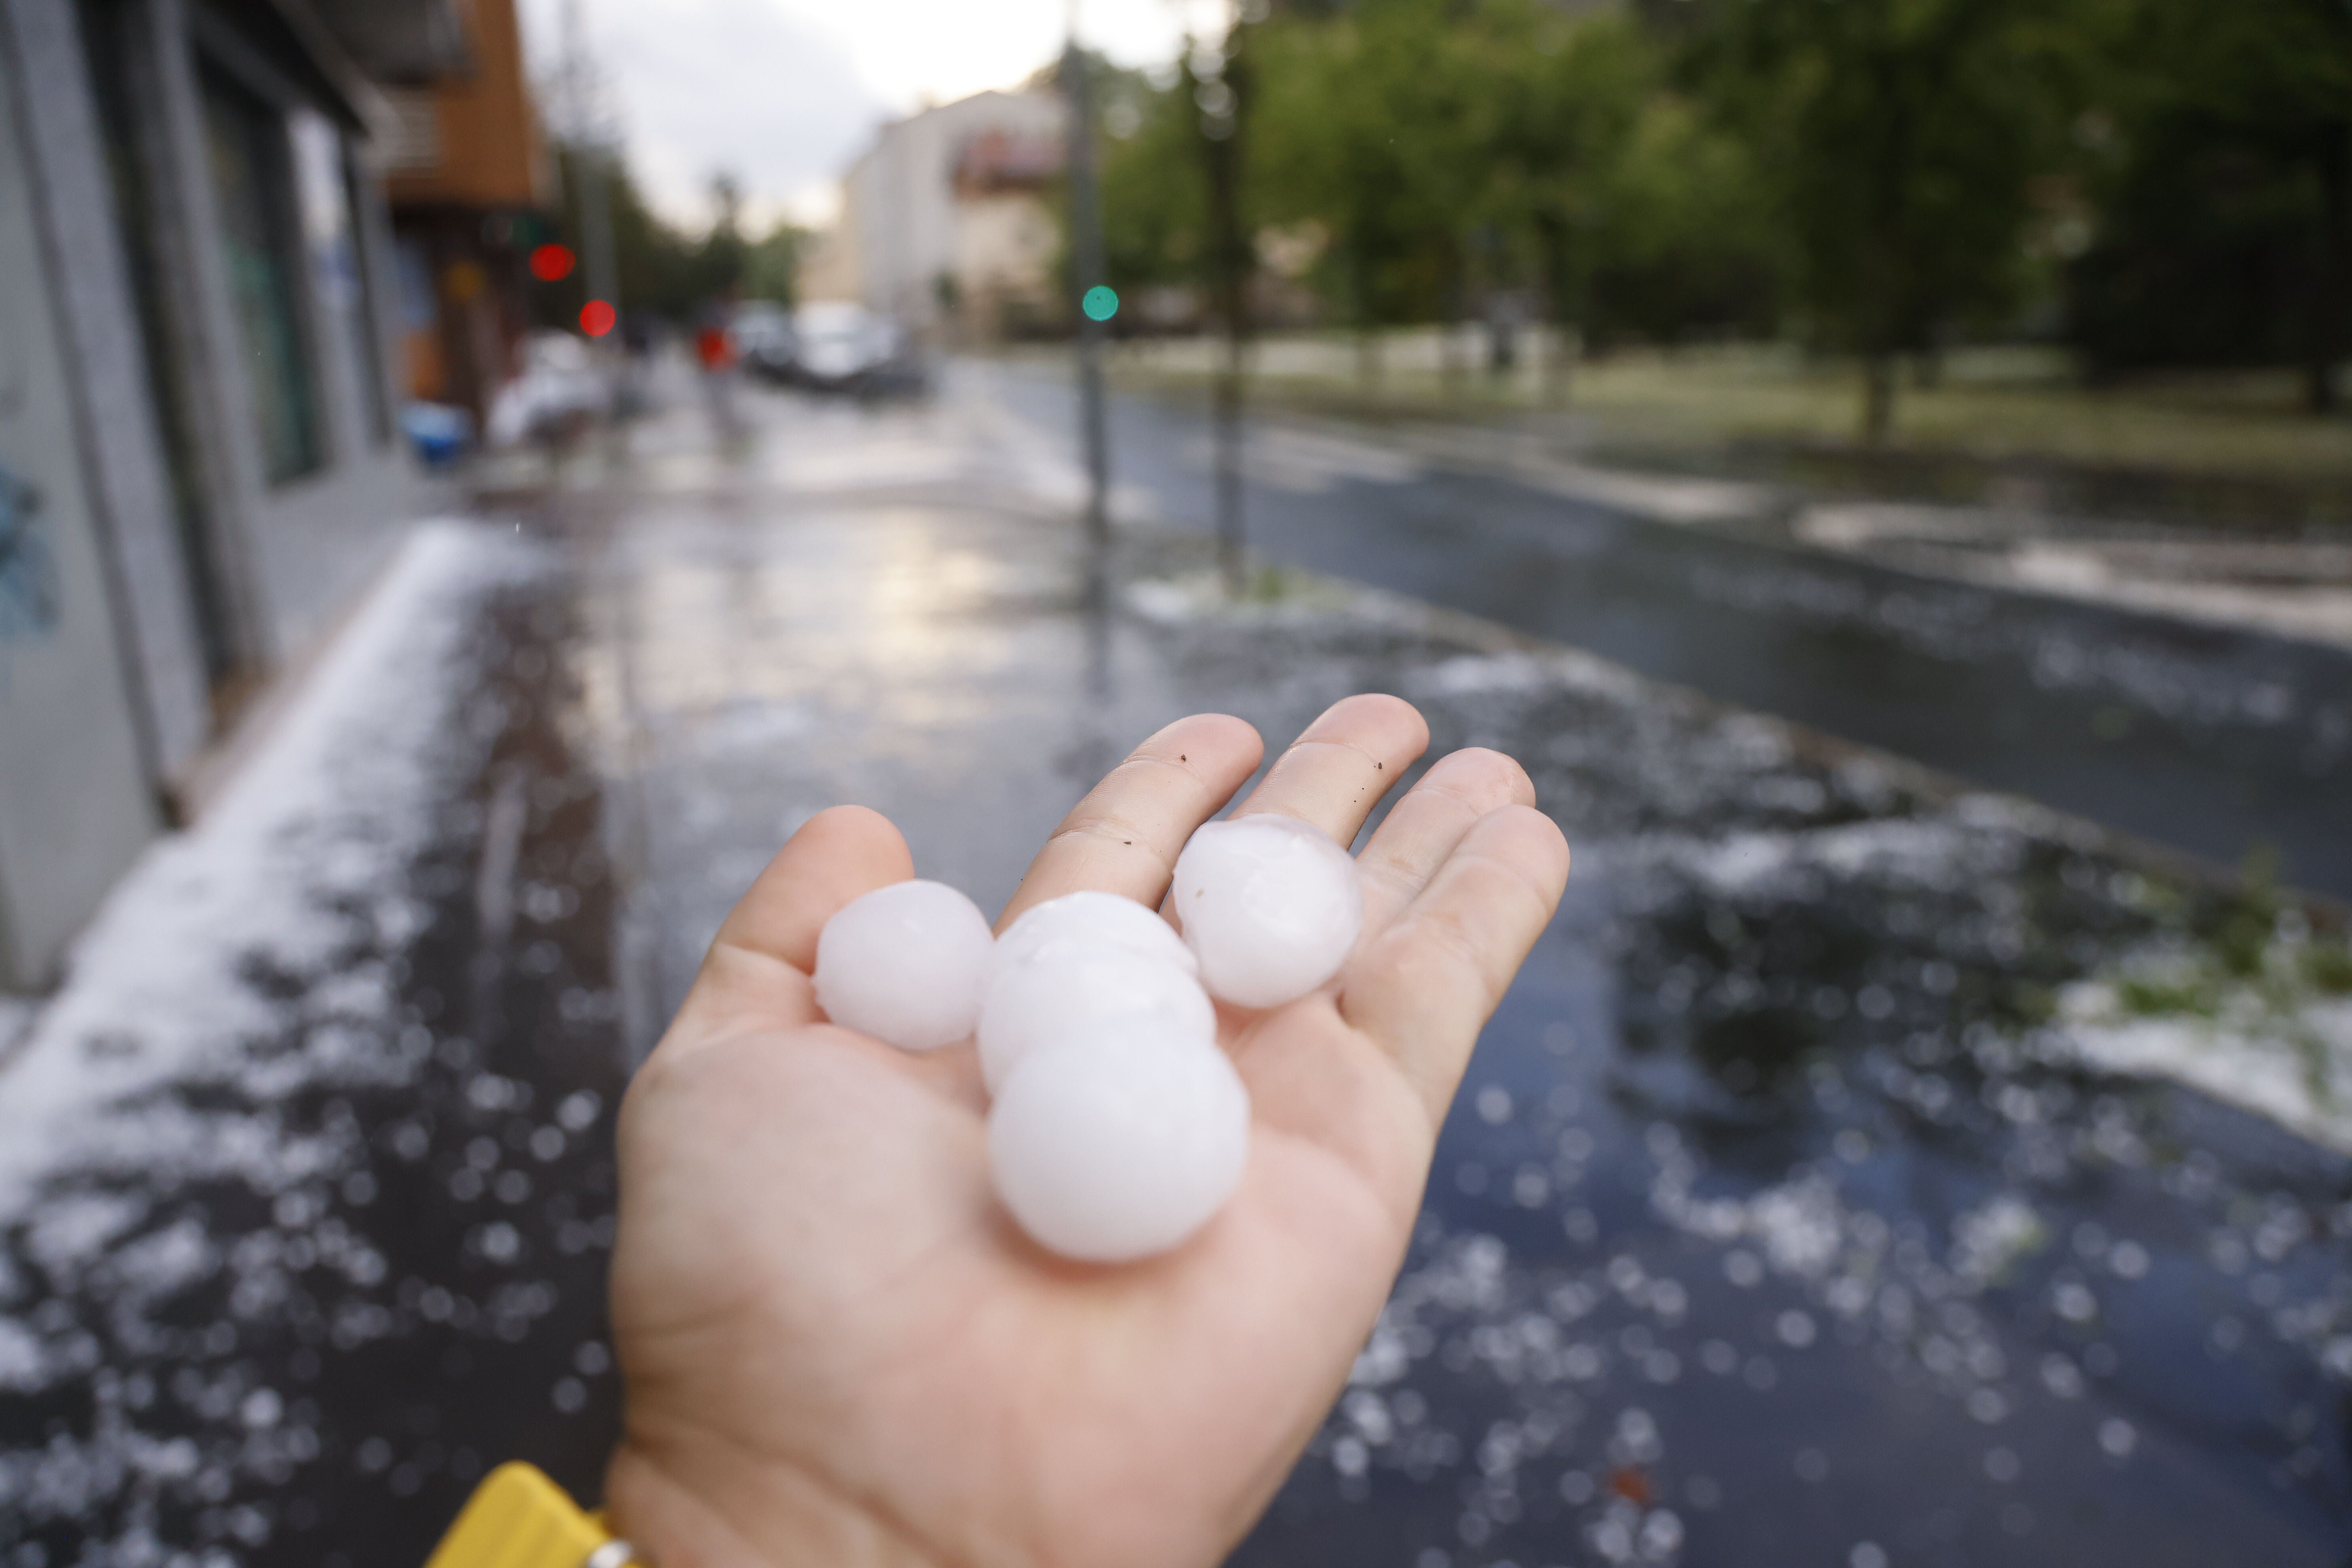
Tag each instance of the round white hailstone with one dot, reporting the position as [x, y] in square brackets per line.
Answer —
[1271, 905]
[1067, 986]
[905, 963]
[1105, 919]
[1119, 1142]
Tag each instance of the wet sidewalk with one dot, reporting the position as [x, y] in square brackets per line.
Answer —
[1826, 1190]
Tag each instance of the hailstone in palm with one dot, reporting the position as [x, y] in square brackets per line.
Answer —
[1270, 905]
[1097, 918]
[1119, 1141]
[905, 963]
[1067, 986]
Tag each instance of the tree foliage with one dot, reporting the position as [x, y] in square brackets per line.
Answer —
[2224, 190]
[1905, 134]
[665, 271]
[2162, 182]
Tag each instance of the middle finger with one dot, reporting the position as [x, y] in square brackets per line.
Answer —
[1125, 836]
[1342, 763]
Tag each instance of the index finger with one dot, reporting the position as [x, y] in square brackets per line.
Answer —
[1125, 836]
[759, 964]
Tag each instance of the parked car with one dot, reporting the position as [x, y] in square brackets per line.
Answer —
[762, 336]
[842, 347]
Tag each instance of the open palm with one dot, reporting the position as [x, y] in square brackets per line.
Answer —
[838, 1347]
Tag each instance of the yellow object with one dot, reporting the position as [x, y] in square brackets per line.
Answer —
[518, 1519]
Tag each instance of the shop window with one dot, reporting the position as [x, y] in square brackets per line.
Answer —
[246, 146]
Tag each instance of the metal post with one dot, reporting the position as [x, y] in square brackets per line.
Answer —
[1223, 110]
[593, 149]
[600, 260]
[1086, 269]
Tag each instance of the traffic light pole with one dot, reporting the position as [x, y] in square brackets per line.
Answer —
[1087, 265]
[1222, 130]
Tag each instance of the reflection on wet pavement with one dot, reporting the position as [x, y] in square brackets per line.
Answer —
[1783, 1216]
[1776, 1215]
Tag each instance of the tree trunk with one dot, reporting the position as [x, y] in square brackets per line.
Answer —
[1557, 359]
[1368, 325]
[1232, 257]
[1502, 338]
[1878, 399]
[2325, 338]
[1449, 342]
[1551, 236]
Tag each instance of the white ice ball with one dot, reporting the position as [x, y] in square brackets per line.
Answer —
[1102, 919]
[1269, 904]
[1066, 985]
[905, 963]
[1119, 1146]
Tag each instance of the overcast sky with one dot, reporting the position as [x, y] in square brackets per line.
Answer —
[784, 93]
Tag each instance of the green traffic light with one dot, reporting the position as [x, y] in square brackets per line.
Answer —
[1101, 303]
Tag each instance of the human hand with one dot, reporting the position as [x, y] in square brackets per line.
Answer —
[840, 1350]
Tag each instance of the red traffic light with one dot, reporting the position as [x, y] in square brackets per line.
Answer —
[551, 263]
[596, 318]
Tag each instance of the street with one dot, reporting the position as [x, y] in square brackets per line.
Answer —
[2219, 742]
[1803, 1196]
[487, 484]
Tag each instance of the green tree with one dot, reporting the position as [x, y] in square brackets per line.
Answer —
[1446, 148]
[664, 270]
[1367, 121]
[1681, 236]
[772, 264]
[719, 261]
[1904, 134]
[1154, 196]
[1569, 103]
[2226, 232]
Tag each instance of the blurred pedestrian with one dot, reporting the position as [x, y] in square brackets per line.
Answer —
[636, 354]
[714, 352]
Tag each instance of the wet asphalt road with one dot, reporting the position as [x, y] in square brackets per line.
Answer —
[1771, 1226]
[2219, 743]
[1775, 1223]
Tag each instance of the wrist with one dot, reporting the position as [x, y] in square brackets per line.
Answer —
[695, 1509]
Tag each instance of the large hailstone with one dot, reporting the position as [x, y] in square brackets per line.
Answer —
[1071, 984]
[905, 963]
[1101, 919]
[1116, 1144]
[1270, 905]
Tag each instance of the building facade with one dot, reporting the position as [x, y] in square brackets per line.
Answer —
[945, 221]
[200, 460]
[470, 184]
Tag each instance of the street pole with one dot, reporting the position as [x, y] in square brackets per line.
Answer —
[602, 263]
[591, 151]
[1222, 114]
[1086, 267]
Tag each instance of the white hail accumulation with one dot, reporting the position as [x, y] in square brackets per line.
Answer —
[1118, 1127]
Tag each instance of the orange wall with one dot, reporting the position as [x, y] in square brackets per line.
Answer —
[492, 152]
